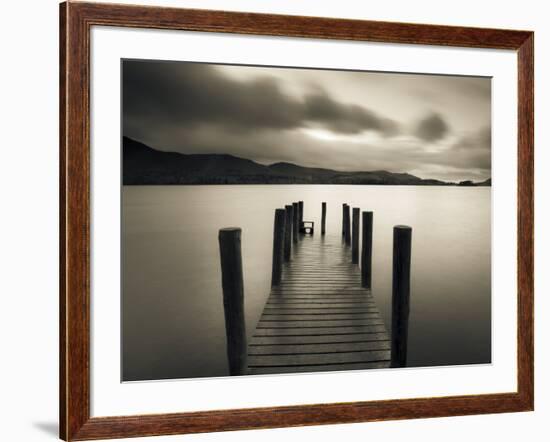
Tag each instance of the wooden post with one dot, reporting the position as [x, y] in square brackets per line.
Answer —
[233, 299]
[278, 246]
[323, 217]
[400, 294]
[344, 219]
[355, 236]
[288, 231]
[301, 211]
[366, 251]
[295, 222]
[347, 229]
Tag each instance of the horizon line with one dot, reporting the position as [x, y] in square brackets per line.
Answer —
[299, 165]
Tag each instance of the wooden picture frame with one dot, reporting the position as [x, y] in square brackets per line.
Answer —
[76, 20]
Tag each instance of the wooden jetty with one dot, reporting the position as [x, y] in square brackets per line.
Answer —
[319, 318]
[320, 314]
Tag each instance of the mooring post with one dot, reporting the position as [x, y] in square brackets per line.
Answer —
[344, 219]
[295, 222]
[278, 246]
[288, 231]
[323, 217]
[355, 235]
[400, 294]
[347, 229]
[301, 211]
[366, 251]
[233, 299]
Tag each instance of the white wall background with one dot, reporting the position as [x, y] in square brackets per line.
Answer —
[29, 202]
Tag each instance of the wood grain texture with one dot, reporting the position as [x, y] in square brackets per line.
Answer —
[75, 22]
[526, 209]
[298, 26]
[63, 366]
[75, 224]
[295, 416]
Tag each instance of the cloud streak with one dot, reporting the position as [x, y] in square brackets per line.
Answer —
[271, 115]
[192, 94]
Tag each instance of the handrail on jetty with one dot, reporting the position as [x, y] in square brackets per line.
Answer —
[320, 314]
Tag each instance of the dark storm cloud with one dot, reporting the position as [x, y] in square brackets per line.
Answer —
[432, 128]
[319, 118]
[342, 118]
[188, 94]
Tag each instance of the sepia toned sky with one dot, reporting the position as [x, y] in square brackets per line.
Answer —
[429, 126]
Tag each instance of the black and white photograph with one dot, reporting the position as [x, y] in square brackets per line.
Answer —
[284, 220]
[251, 221]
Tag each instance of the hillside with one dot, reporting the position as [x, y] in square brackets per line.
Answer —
[145, 165]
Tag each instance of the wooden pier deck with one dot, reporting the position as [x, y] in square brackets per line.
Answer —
[319, 318]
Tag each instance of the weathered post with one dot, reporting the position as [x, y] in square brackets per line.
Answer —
[233, 299]
[347, 233]
[400, 294]
[355, 236]
[366, 251]
[295, 222]
[323, 217]
[288, 231]
[301, 211]
[344, 219]
[278, 246]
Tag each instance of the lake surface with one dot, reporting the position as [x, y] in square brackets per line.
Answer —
[172, 312]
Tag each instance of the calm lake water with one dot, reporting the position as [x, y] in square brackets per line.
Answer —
[173, 323]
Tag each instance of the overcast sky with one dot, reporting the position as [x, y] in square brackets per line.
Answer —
[426, 125]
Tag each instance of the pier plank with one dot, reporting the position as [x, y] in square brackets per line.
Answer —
[319, 318]
[319, 331]
[323, 339]
[317, 359]
[317, 368]
[324, 348]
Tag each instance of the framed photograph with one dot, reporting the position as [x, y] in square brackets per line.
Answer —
[272, 221]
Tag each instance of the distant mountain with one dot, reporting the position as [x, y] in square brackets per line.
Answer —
[145, 165]
[293, 170]
[469, 183]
